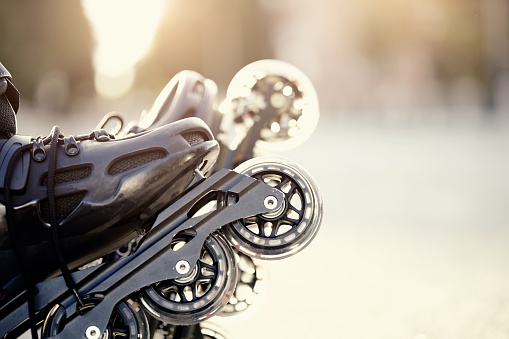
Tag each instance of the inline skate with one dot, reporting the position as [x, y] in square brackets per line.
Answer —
[68, 201]
[270, 105]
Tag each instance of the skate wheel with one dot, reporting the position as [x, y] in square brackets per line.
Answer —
[288, 230]
[212, 331]
[249, 284]
[283, 89]
[128, 320]
[197, 297]
[204, 330]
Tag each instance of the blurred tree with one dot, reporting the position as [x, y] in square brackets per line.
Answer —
[450, 31]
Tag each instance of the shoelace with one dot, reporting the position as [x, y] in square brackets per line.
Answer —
[54, 139]
[55, 227]
[15, 243]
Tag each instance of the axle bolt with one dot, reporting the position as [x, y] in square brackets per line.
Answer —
[93, 332]
[182, 267]
[270, 202]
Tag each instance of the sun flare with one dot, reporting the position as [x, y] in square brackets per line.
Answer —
[124, 31]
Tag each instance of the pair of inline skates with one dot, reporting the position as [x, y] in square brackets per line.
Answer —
[154, 220]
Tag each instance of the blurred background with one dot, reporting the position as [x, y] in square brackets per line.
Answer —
[411, 151]
[398, 56]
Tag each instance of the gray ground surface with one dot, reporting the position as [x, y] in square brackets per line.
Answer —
[414, 236]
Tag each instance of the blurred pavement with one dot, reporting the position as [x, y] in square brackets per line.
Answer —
[414, 239]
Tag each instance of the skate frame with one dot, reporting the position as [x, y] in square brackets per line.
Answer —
[238, 196]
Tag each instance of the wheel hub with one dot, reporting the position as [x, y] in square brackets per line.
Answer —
[188, 278]
[271, 201]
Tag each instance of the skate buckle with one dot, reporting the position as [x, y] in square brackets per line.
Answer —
[38, 152]
[101, 135]
[71, 146]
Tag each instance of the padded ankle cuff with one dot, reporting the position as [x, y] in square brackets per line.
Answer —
[8, 125]
[9, 104]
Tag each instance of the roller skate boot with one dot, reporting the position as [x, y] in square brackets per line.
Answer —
[100, 192]
[187, 94]
[270, 105]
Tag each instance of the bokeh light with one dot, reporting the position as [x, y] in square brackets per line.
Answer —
[124, 31]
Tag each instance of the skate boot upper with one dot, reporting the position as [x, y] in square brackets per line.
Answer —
[107, 191]
[187, 94]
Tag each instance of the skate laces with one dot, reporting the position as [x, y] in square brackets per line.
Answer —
[55, 227]
[71, 147]
[19, 250]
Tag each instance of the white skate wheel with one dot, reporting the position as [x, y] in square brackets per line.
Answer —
[288, 230]
[284, 90]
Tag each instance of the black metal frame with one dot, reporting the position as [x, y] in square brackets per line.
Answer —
[238, 196]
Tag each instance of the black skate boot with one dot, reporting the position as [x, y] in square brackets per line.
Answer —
[93, 193]
[270, 105]
[187, 94]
